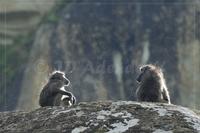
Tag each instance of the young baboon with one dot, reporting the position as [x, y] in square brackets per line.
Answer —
[54, 92]
[64, 100]
[152, 86]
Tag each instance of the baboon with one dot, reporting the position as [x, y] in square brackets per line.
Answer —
[64, 100]
[54, 92]
[152, 86]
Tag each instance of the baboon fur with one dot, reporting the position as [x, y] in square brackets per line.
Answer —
[54, 92]
[152, 86]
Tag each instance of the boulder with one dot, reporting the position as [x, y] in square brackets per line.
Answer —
[103, 116]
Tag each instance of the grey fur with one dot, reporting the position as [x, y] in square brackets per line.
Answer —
[152, 86]
[52, 93]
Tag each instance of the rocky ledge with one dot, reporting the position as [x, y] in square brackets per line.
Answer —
[105, 116]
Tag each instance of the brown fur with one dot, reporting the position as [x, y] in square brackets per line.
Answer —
[152, 86]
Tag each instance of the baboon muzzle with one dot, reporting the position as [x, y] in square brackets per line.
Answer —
[139, 78]
[67, 82]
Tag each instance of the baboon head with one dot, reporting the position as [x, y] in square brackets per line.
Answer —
[58, 75]
[148, 72]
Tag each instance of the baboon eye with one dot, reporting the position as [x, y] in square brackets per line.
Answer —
[146, 68]
[143, 69]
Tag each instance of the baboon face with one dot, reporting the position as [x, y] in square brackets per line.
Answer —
[143, 72]
[59, 76]
[146, 72]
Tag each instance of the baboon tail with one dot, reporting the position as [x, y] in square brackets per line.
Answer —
[166, 96]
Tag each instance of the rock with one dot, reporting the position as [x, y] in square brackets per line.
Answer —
[107, 116]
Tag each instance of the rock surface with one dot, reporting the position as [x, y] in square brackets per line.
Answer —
[111, 117]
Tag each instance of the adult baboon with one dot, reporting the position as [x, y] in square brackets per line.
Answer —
[54, 92]
[152, 86]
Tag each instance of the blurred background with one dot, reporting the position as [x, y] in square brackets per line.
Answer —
[99, 44]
